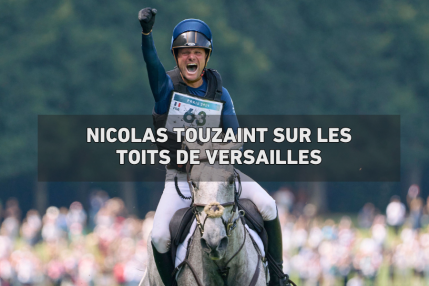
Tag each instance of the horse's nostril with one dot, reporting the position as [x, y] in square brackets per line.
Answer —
[223, 243]
[214, 247]
[205, 246]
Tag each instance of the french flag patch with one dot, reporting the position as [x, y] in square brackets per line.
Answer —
[176, 104]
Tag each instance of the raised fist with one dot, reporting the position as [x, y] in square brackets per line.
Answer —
[147, 19]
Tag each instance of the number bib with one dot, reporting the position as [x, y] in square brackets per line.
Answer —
[193, 111]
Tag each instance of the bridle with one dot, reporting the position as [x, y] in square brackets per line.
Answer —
[229, 225]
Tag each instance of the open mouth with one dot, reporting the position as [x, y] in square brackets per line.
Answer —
[191, 68]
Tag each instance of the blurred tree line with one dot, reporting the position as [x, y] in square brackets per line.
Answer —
[281, 57]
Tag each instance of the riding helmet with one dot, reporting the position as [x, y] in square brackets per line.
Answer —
[192, 33]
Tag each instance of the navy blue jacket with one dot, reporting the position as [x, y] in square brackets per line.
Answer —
[162, 86]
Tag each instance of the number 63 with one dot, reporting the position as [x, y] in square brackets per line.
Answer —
[189, 117]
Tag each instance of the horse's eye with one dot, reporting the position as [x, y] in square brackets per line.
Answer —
[193, 184]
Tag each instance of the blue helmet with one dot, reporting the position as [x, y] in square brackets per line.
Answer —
[192, 33]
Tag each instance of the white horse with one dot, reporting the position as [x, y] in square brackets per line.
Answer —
[221, 251]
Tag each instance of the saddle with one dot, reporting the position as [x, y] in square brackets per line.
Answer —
[180, 225]
[182, 220]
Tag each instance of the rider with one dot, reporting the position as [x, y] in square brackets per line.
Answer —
[191, 46]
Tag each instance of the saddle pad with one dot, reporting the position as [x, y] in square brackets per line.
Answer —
[253, 219]
[179, 228]
[257, 239]
[182, 248]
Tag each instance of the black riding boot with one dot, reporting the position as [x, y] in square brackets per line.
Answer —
[275, 253]
[165, 265]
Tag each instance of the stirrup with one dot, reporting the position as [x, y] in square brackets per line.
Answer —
[282, 281]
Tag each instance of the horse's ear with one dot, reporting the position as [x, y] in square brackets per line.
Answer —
[198, 145]
[228, 146]
[193, 145]
[203, 147]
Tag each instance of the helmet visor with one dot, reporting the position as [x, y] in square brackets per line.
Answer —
[191, 39]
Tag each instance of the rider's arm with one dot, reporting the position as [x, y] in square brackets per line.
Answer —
[160, 83]
[229, 118]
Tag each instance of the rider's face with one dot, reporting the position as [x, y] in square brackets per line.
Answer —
[191, 62]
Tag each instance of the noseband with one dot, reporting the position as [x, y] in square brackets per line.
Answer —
[229, 226]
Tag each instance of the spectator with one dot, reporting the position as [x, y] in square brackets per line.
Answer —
[97, 200]
[284, 199]
[395, 213]
[31, 226]
[356, 281]
[368, 259]
[10, 225]
[366, 215]
[378, 231]
[115, 253]
[416, 213]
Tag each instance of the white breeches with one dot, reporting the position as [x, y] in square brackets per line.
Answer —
[171, 202]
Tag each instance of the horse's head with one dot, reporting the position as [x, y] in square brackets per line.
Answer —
[213, 192]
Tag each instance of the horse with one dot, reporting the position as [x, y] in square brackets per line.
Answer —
[221, 250]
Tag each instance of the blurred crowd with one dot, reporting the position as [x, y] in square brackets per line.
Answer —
[105, 245]
[353, 253]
